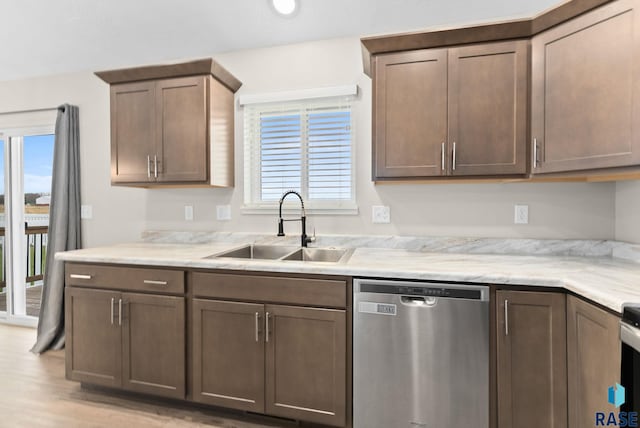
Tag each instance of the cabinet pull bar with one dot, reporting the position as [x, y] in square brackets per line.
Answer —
[78, 276]
[155, 166]
[119, 311]
[112, 302]
[442, 157]
[267, 327]
[535, 152]
[148, 166]
[153, 282]
[453, 157]
[257, 326]
[506, 318]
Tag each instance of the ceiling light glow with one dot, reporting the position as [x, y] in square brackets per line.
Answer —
[285, 7]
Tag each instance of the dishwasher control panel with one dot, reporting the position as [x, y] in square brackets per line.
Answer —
[408, 290]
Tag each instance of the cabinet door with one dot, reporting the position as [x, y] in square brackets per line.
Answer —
[593, 356]
[532, 372]
[132, 132]
[410, 113]
[93, 337]
[488, 109]
[585, 91]
[228, 354]
[153, 344]
[306, 364]
[183, 149]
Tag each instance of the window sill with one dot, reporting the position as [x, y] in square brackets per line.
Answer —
[292, 210]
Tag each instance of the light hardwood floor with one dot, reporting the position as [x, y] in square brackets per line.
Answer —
[35, 394]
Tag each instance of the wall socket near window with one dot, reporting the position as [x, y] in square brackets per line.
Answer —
[188, 212]
[380, 214]
[521, 214]
[223, 212]
[86, 212]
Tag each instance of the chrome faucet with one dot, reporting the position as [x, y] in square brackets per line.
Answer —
[303, 219]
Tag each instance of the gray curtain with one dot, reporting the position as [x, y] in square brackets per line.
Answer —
[64, 227]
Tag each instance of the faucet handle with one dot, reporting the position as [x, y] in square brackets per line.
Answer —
[313, 238]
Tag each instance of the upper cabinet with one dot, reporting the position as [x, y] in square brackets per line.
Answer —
[586, 90]
[457, 112]
[172, 125]
[554, 96]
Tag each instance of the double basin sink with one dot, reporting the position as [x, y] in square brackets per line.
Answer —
[287, 253]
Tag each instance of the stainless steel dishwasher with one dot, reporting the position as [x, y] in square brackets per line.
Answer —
[420, 355]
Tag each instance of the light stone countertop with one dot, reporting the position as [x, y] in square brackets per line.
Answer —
[607, 281]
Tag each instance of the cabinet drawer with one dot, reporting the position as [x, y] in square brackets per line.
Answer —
[125, 278]
[300, 291]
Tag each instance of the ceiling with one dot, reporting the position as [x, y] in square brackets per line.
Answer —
[49, 37]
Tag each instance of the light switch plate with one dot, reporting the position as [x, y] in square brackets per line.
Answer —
[380, 214]
[86, 212]
[188, 212]
[223, 212]
[521, 214]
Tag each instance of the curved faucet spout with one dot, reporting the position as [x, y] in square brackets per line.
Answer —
[303, 219]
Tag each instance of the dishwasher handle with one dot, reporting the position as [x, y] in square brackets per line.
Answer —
[418, 301]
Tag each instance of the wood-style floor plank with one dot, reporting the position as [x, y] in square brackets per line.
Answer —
[35, 394]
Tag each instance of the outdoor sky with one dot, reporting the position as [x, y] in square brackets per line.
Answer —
[38, 163]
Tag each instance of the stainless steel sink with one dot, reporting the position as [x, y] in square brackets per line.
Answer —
[286, 252]
[331, 255]
[265, 252]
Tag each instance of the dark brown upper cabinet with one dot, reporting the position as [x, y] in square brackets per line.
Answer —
[451, 112]
[586, 90]
[172, 125]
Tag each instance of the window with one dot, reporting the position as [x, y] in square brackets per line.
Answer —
[305, 146]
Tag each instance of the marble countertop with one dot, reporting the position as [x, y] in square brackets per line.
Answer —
[605, 280]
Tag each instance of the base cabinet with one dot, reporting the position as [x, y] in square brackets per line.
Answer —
[126, 340]
[306, 364]
[275, 359]
[531, 356]
[593, 356]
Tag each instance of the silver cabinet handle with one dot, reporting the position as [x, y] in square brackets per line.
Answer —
[535, 152]
[153, 282]
[119, 311]
[266, 335]
[155, 166]
[442, 157]
[148, 166]
[453, 157]
[78, 276]
[112, 302]
[257, 326]
[506, 318]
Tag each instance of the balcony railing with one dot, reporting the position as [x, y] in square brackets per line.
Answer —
[36, 254]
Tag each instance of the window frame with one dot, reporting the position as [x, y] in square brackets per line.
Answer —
[251, 139]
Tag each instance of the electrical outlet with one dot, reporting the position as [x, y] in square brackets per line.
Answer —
[521, 214]
[380, 214]
[86, 212]
[188, 212]
[223, 212]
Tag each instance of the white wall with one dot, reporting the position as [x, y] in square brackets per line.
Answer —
[118, 212]
[556, 210]
[628, 211]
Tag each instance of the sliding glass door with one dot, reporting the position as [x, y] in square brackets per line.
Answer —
[27, 159]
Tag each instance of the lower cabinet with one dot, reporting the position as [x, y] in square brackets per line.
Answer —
[276, 359]
[531, 360]
[126, 340]
[593, 355]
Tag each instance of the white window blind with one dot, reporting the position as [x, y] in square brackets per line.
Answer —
[304, 146]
